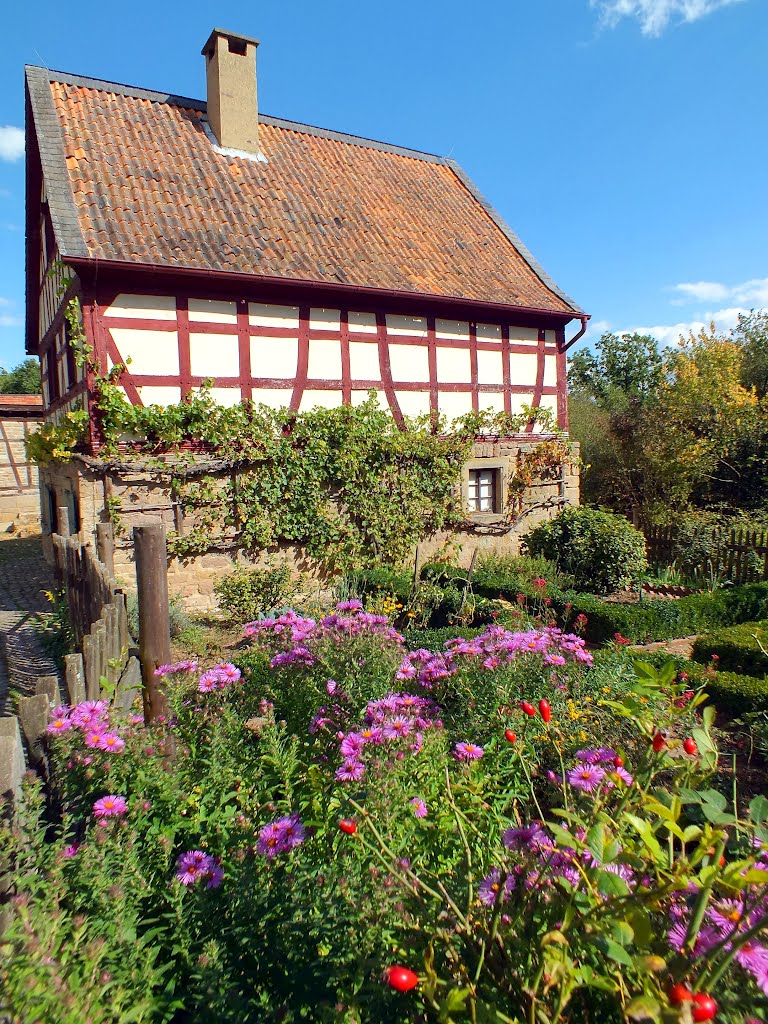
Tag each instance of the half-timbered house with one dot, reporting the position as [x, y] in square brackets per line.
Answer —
[292, 265]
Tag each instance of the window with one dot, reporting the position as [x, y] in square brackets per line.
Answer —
[483, 490]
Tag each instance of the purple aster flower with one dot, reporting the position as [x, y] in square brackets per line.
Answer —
[280, 836]
[467, 752]
[419, 807]
[71, 851]
[529, 838]
[586, 777]
[351, 745]
[110, 806]
[111, 741]
[396, 728]
[596, 755]
[208, 682]
[350, 771]
[489, 889]
[60, 723]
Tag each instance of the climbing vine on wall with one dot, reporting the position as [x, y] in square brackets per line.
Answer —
[347, 485]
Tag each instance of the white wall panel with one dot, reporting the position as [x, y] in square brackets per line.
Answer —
[262, 314]
[212, 311]
[490, 369]
[214, 355]
[275, 398]
[226, 396]
[454, 403]
[362, 323]
[150, 352]
[324, 359]
[524, 334]
[488, 332]
[324, 319]
[491, 401]
[143, 307]
[358, 397]
[151, 395]
[364, 360]
[324, 399]
[550, 371]
[413, 325]
[410, 363]
[454, 365]
[522, 368]
[456, 329]
[274, 357]
[413, 403]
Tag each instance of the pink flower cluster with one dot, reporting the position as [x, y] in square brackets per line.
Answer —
[110, 807]
[497, 647]
[195, 866]
[177, 669]
[297, 635]
[399, 718]
[596, 769]
[218, 677]
[281, 835]
[91, 718]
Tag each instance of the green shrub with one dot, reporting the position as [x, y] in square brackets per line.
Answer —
[434, 639]
[245, 594]
[602, 551]
[738, 694]
[739, 648]
[179, 619]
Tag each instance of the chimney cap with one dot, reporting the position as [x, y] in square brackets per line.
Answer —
[238, 36]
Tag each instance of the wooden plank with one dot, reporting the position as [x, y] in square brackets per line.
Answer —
[154, 624]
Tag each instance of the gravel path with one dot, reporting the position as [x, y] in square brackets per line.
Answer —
[24, 578]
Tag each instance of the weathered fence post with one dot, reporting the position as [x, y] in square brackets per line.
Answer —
[105, 542]
[154, 625]
[63, 521]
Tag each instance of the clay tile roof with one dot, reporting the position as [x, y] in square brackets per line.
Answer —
[133, 176]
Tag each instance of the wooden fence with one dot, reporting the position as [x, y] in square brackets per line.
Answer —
[738, 555]
[98, 617]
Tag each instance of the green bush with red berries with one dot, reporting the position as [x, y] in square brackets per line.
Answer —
[342, 829]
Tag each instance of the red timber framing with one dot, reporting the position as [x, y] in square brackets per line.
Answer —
[546, 332]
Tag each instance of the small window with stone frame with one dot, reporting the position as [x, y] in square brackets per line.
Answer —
[483, 490]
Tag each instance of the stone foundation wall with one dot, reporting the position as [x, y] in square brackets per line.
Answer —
[91, 493]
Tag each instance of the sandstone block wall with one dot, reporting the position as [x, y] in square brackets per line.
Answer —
[19, 497]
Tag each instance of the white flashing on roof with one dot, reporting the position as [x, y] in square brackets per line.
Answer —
[258, 158]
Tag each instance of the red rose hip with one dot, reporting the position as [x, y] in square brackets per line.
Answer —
[659, 742]
[401, 978]
[529, 709]
[509, 735]
[704, 1007]
[680, 993]
[348, 826]
[544, 710]
[689, 746]
[618, 761]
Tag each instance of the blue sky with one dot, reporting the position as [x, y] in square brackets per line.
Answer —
[624, 140]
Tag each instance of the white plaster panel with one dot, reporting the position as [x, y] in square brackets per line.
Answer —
[358, 397]
[454, 365]
[522, 368]
[214, 355]
[491, 400]
[518, 401]
[212, 311]
[413, 325]
[549, 402]
[550, 337]
[143, 307]
[274, 357]
[325, 319]
[454, 403]
[413, 403]
[550, 371]
[524, 334]
[159, 395]
[275, 398]
[226, 396]
[323, 399]
[458, 329]
[488, 332]
[149, 352]
[490, 369]
[362, 323]
[409, 363]
[324, 359]
[364, 360]
[261, 314]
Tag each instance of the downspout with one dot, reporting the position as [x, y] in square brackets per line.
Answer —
[578, 334]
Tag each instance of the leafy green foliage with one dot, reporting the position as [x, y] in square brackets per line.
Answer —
[742, 648]
[738, 694]
[23, 379]
[245, 594]
[602, 551]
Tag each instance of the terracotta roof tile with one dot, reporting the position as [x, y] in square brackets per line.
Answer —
[149, 187]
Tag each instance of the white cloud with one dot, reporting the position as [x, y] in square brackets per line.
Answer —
[5, 302]
[6, 320]
[11, 142]
[668, 334]
[655, 15]
[751, 293]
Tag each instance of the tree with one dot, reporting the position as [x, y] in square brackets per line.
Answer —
[752, 335]
[23, 379]
[626, 367]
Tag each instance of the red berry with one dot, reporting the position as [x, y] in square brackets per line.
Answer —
[680, 993]
[618, 761]
[721, 861]
[544, 710]
[659, 742]
[401, 978]
[529, 709]
[690, 747]
[509, 735]
[704, 1007]
[348, 826]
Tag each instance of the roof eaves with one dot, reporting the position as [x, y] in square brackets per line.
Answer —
[517, 242]
[50, 141]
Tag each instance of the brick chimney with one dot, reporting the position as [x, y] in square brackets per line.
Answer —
[233, 113]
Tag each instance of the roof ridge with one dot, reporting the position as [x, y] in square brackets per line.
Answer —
[154, 96]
